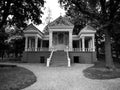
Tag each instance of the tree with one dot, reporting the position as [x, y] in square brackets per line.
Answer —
[105, 13]
[16, 41]
[19, 12]
[3, 44]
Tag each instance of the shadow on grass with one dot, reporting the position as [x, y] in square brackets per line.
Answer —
[15, 78]
[99, 71]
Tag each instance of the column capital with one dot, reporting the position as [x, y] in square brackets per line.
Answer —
[36, 36]
[70, 31]
[83, 37]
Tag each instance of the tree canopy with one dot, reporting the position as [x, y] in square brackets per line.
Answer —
[105, 14]
[18, 12]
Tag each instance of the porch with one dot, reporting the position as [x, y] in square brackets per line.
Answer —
[36, 44]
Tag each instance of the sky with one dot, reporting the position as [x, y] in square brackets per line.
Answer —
[55, 9]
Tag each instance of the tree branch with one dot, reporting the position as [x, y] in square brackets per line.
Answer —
[86, 12]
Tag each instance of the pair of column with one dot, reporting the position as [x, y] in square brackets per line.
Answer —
[92, 44]
[51, 38]
[26, 43]
[82, 47]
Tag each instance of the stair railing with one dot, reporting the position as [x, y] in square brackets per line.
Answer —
[49, 59]
[68, 58]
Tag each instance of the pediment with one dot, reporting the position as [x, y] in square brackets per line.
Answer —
[60, 22]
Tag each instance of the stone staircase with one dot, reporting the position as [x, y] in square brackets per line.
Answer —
[59, 58]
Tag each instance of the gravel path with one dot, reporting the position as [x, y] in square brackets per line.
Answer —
[64, 78]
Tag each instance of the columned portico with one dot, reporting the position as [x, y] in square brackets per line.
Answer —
[59, 37]
[60, 41]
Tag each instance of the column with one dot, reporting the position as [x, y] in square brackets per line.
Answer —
[26, 43]
[89, 45]
[70, 40]
[30, 48]
[80, 44]
[57, 38]
[93, 43]
[36, 43]
[83, 43]
[41, 43]
[50, 39]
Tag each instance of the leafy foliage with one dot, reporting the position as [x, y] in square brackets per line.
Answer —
[19, 12]
[105, 14]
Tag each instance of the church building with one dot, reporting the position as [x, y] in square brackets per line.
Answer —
[58, 46]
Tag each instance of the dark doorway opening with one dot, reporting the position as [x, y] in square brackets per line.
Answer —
[76, 59]
[42, 59]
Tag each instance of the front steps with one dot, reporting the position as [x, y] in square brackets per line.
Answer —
[59, 58]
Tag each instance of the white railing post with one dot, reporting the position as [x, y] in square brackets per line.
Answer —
[69, 62]
[68, 57]
[48, 62]
[49, 59]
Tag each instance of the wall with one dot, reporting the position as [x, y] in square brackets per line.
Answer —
[84, 57]
[34, 57]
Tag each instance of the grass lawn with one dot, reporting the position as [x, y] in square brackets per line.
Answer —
[15, 78]
[99, 71]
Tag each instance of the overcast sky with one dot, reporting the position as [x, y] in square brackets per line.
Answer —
[56, 11]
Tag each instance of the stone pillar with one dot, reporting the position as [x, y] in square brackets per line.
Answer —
[83, 43]
[93, 43]
[70, 40]
[26, 43]
[50, 40]
[36, 43]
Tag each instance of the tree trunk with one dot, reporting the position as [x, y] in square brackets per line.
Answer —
[97, 47]
[108, 53]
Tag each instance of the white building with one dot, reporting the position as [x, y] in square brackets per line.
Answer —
[58, 46]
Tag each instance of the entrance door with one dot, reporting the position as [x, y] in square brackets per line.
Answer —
[60, 45]
[60, 38]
